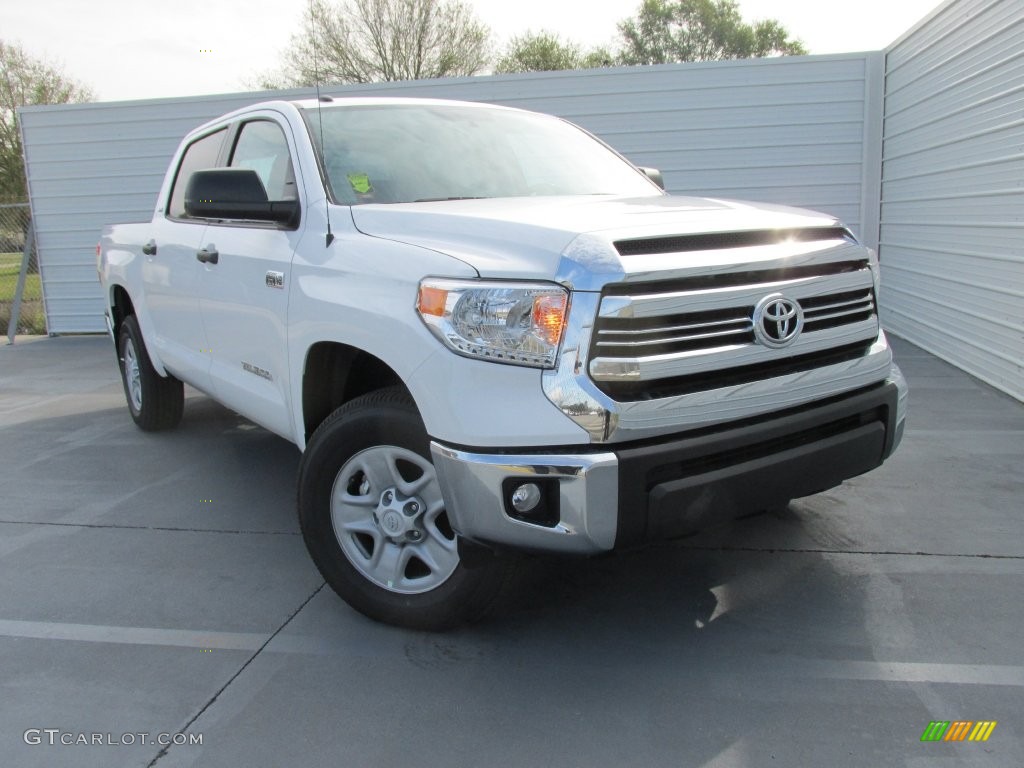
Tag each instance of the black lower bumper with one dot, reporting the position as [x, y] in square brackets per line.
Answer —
[674, 487]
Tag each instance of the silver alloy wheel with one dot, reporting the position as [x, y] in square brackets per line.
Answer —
[389, 518]
[131, 374]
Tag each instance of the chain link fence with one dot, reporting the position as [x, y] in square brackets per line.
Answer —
[21, 291]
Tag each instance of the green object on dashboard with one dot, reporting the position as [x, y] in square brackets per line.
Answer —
[360, 183]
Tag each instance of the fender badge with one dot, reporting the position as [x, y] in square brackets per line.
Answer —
[263, 373]
[275, 279]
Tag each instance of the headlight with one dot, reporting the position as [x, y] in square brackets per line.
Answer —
[519, 323]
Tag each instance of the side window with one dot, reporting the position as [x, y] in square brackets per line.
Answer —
[200, 154]
[262, 147]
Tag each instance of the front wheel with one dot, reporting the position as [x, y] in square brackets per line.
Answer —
[373, 518]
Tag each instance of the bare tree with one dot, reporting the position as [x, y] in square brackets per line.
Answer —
[366, 41]
[26, 80]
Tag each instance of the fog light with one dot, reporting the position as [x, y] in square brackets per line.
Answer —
[534, 501]
[525, 497]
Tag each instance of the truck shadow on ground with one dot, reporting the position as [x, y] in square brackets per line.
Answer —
[711, 583]
[216, 471]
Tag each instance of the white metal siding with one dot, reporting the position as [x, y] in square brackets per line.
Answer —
[792, 130]
[94, 164]
[952, 209]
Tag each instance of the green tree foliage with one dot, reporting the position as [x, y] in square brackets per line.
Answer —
[545, 52]
[25, 80]
[367, 41]
[667, 31]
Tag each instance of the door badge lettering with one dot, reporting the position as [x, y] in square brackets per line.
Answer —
[263, 373]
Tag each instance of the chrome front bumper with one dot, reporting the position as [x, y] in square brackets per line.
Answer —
[606, 499]
[588, 487]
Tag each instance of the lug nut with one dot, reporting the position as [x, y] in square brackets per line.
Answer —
[412, 508]
[387, 497]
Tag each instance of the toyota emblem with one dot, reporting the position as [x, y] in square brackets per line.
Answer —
[778, 320]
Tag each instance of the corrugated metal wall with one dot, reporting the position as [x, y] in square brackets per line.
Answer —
[952, 210]
[794, 130]
[95, 164]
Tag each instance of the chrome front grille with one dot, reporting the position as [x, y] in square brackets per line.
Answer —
[657, 339]
[627, 337]
[838, 309]
[630, 337]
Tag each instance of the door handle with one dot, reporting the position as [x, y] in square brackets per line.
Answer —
[149, 248]
[208, 256]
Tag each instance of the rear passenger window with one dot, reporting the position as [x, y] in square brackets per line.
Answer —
[262, 147]
[201, 154]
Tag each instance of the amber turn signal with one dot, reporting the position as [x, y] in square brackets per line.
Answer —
[431, 300]
[549, 317]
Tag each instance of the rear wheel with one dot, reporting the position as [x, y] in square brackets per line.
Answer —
[156, 402]
[373, 517]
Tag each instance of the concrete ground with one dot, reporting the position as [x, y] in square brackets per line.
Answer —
[157, 584]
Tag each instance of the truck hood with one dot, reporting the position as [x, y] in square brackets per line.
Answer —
[568, 239]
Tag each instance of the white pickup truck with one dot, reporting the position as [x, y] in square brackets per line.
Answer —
[487, 331]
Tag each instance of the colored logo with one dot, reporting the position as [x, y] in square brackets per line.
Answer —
[959, 730]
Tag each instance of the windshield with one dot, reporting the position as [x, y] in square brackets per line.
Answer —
[403, 153]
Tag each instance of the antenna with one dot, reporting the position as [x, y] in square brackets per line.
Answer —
[320, 116]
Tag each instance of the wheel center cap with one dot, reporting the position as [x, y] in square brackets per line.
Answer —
[393, 522]
[397, 515]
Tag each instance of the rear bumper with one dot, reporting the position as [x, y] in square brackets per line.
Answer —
[667, 487]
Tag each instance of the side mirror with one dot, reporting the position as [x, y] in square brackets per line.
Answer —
[654, 175]
[235, 193]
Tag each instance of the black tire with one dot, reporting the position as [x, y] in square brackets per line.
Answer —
[359, 440]
[156, 402]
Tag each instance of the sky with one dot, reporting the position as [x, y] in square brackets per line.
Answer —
[142, 49]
